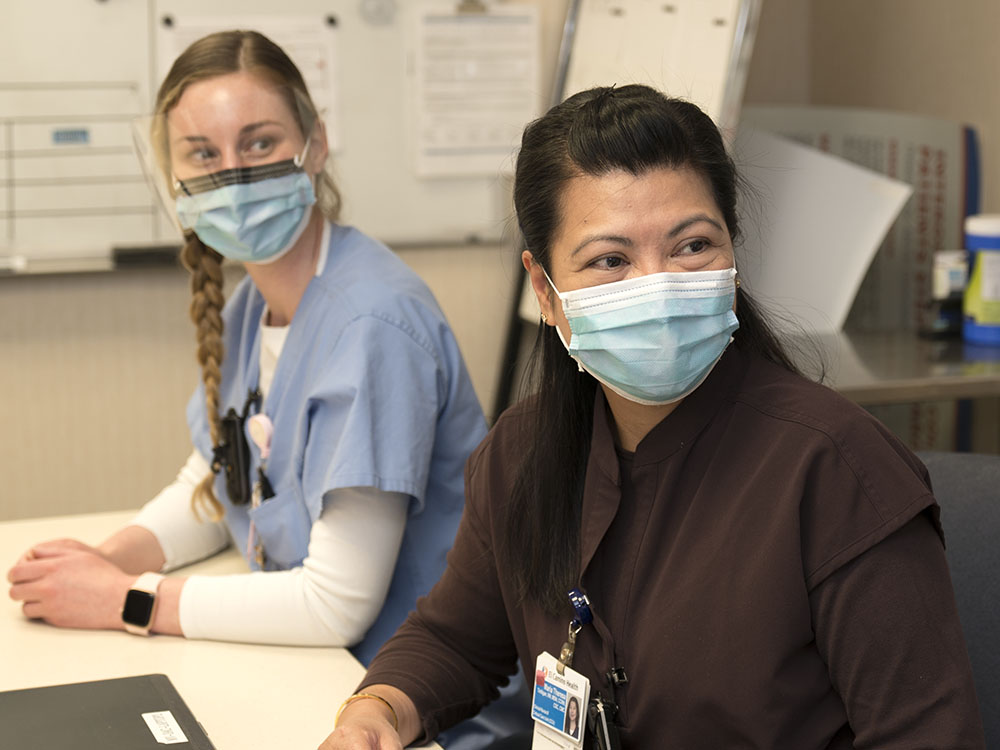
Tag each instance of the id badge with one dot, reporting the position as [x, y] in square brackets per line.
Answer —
[558, 706]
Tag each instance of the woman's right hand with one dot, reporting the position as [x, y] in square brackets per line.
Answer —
[69, 584]
[368, 723]
[363, 733]
[54, 547]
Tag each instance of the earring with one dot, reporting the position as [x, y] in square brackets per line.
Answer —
[544, 319]
[737, 278]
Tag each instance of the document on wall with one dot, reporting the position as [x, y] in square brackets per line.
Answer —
[476, 84]
[310, 43]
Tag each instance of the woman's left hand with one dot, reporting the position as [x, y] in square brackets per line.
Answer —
[70, 585]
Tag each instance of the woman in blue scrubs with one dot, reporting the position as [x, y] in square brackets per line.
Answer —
[334, 415]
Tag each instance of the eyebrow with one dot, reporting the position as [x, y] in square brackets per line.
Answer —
[697, 218]
[257, 125]
[244, 131]
[626, 242]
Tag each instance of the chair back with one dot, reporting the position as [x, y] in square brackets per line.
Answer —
[967, 486]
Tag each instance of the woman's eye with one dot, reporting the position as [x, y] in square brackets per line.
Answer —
[259, 146]
[694, 247]
[609, 263]
[202, 155]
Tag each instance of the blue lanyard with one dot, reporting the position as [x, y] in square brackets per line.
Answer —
[581, 606]
[602, 712]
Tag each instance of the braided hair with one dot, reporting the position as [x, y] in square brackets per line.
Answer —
[211, 56]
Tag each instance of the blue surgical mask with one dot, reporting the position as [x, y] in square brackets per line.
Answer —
[249, 214]
[652, 339]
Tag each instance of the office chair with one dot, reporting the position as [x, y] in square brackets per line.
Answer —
[967, 486]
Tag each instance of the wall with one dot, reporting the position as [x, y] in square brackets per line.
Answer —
[780, 67]
[926, 57]
[95, 369]
[94, 375]
[922, 56]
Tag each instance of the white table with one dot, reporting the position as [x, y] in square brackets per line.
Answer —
[246, 696]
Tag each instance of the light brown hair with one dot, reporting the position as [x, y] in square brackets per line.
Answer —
[215, 55]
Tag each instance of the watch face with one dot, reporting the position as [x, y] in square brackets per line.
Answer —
[138, 608]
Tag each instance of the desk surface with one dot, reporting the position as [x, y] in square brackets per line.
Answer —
[297, 689]
[885, 368]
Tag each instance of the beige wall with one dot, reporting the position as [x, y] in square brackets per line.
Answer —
[932, 57]
[95, 369]
[780, 68]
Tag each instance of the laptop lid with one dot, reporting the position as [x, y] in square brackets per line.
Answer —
[137, 713]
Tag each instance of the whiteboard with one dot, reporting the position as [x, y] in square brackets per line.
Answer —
[697, 50]
[73, 75]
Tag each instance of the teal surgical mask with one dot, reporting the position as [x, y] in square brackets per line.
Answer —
[652, 339]
[248, 214]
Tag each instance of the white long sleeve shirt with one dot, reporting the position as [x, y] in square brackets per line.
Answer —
[331, 600]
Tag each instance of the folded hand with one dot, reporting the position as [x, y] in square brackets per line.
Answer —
[69, 584]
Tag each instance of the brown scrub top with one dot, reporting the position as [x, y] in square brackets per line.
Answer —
[766, 567]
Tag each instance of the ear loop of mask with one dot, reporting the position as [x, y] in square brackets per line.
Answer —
[300, 159]
[549, 279]
[555, 325]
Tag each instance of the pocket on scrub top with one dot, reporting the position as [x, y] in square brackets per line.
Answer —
[283, 525]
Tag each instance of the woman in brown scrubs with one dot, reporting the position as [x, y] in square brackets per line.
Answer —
[763, 559]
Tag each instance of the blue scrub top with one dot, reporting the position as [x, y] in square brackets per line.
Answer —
[370, 390]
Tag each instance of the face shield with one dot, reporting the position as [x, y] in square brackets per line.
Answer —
[234, 161]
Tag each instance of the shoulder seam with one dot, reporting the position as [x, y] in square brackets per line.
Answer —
[811, 576]
[850, 460]
[825, 429]
[411, 333]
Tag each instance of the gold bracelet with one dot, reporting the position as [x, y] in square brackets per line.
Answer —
[362, 696]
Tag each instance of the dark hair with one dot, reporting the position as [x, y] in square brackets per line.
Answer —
[635, 129]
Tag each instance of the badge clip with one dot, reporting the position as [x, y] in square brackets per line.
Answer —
[569, 647]
[581, 606]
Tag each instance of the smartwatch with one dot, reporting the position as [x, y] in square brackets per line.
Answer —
[140, 603]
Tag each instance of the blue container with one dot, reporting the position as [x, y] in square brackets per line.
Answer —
[981, 302]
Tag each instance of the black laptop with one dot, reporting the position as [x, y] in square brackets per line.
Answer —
[131, 713]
